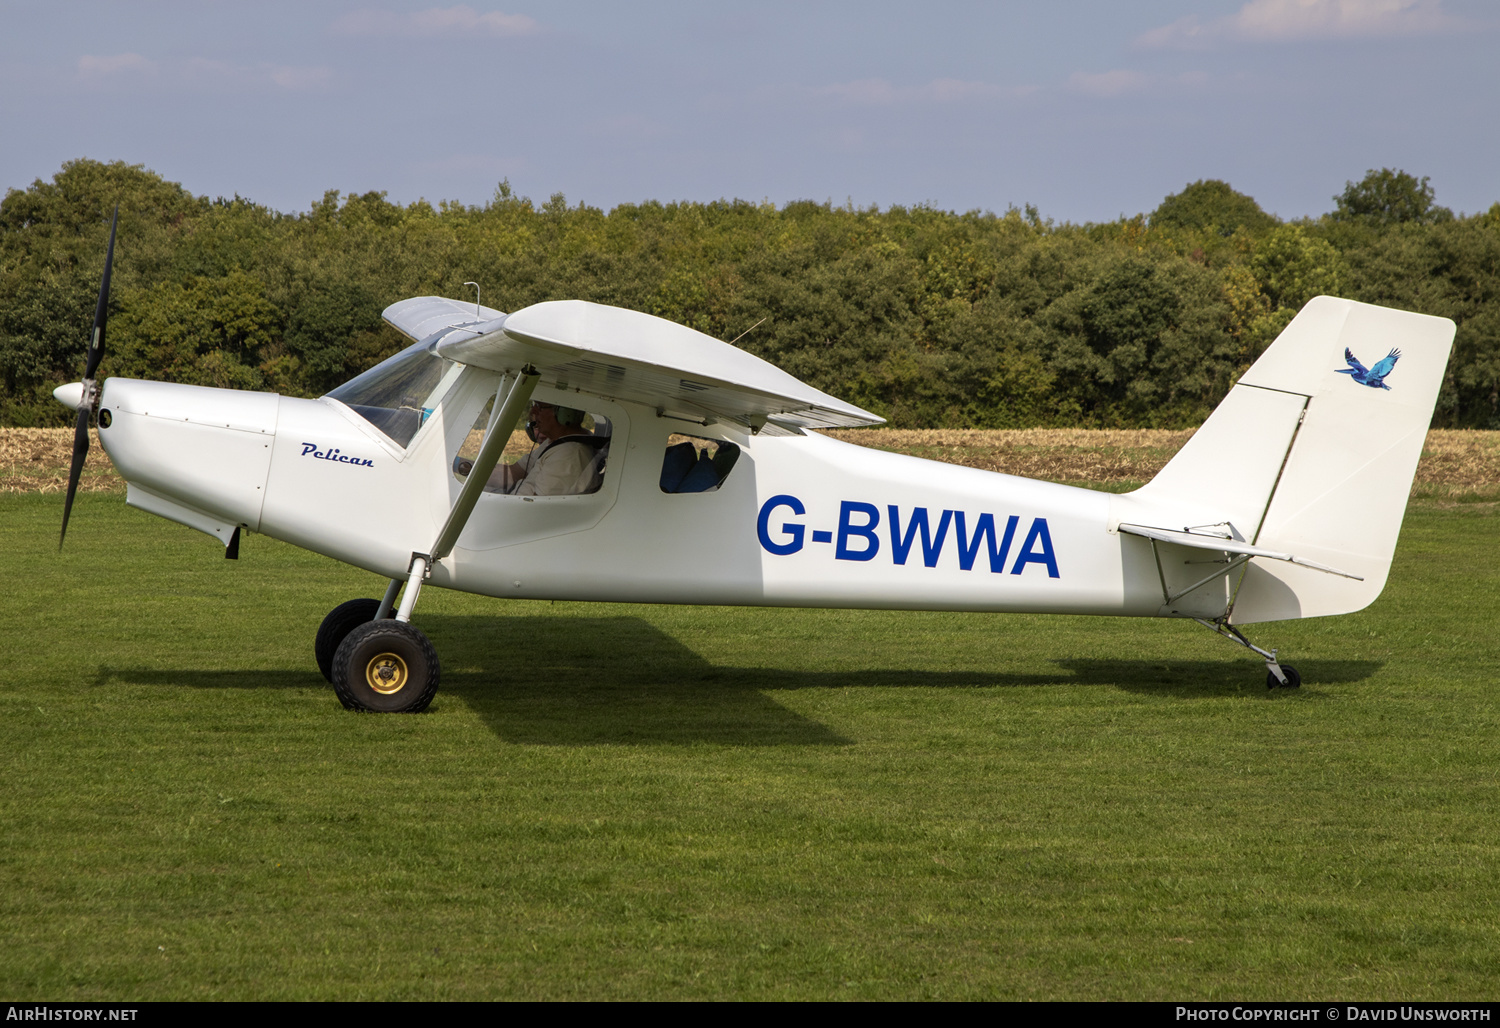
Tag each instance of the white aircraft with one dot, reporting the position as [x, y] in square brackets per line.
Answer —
[1285, 504]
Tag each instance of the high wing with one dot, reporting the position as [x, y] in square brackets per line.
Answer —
[626, 355]
[424, 317]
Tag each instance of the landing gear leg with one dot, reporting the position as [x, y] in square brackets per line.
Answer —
[1277, 674]
[389, 600]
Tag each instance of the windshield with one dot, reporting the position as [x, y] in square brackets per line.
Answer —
[399, 393]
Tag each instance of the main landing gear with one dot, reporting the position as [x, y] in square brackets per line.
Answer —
[376, 662]
[375, 659]
[1277, 674]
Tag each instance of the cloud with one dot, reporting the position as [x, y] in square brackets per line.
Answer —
[1296, 20]
[1121, 81]
[289, 77]
[436, 21]
[98, 67]
[881, 93]
[1107, 83]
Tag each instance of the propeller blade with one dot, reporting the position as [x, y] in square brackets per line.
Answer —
[101, 312]
[91, 365]
[80, 454]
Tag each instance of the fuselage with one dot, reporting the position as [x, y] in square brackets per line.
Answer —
[801, 520]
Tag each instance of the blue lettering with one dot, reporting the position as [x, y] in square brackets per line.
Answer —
[932, 548]
[794, 531]
[866, 531]
[984, 528]
[1038, 534]
[335, 455]
[858, 540]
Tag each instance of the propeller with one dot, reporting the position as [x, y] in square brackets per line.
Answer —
[90, 387]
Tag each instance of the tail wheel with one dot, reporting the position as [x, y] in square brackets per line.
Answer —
[1293, 679]
[341, 620]
[385, 666]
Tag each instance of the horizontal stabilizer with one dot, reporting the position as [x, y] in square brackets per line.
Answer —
[1219, 544]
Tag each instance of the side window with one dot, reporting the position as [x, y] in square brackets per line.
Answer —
[515, 447]
[562, 451]
[693, 464]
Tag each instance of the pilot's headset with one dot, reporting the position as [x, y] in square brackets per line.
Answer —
[565, 416]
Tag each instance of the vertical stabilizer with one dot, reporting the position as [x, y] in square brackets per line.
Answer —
[1313, 453]
[1371, 386]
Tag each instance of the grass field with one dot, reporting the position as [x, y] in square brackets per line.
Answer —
[656, 802]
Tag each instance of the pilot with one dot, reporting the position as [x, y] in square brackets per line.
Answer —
[562, 460]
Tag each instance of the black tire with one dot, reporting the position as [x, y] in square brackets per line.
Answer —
[1293, 679]
[341, 620]
[387, 667]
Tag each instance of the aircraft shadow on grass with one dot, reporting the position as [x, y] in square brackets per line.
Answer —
[590, 681]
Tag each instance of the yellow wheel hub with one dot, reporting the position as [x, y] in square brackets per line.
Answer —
[387, 673]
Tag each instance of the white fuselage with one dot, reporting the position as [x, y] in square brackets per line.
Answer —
[802, 520]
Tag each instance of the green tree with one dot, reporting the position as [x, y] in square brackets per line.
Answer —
[200, 331]
[927, 316]
[1452, 270]
[1211, 206]
[52, 241]
[1389, 197]
[1292, 266]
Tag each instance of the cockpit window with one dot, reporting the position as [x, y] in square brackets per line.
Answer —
[399, 393]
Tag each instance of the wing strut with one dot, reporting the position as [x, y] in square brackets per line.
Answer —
[501, 427]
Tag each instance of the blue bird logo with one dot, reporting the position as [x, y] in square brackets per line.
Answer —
[1372, 377]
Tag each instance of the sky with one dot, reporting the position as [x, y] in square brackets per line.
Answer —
[1087, 109]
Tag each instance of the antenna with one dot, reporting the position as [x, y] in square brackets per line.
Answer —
[747, 331]
[476, 297]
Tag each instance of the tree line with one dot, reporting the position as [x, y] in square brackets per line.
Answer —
[928, 317]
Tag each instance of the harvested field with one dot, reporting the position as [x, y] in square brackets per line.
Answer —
[1054, 454]
[1456, 464]
[1461, 460]
[35, 460]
